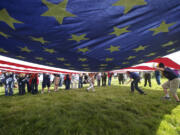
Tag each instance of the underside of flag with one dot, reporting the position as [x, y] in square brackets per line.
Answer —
[89, 35]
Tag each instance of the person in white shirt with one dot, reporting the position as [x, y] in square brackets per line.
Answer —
[98, 77]
[74, 81]
[91, 82]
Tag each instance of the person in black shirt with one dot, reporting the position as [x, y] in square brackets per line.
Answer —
[172, 83]
[121, 78]
[67, 81]
[104, 78]
[85, 79]
[147, 78]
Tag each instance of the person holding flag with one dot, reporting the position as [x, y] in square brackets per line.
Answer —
[172, 83]
[134, 79]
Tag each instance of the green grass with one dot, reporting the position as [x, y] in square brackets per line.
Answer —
[108, 111]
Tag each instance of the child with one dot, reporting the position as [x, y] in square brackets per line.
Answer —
[34, 81]
[67, 81]
[80, 81]
[21, 84]
[9, 83]
[56, 82]
[91, 82]
[46, 82]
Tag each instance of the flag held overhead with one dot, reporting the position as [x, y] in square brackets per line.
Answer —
[84, 35]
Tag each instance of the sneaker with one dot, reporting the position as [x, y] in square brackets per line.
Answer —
[166, 98]
[178, 101]
[42, 92]
[49, 91]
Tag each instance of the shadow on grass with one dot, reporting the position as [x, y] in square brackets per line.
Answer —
[108, 111]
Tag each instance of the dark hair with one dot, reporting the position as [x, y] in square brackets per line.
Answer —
[161, 65]
[128, 72]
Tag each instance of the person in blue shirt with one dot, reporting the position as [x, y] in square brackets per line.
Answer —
[134, 79]
[158, 77]
[172, 83]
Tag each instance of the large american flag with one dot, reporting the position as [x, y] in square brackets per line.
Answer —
[87, 35]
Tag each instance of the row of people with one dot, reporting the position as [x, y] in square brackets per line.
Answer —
[74, 81]
[31, 81]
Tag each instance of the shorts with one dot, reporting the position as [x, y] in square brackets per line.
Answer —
[173, 85]
[46, 84]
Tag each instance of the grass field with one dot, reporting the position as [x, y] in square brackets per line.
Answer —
[108, 111]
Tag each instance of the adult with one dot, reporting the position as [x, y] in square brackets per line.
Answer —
[109, 78]
[134, 79]
[74, 81]
[121, 78]
[104, 78]
[61, 80]
[98, 77]
[172, 83]
[158, 77]
[147, 78]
